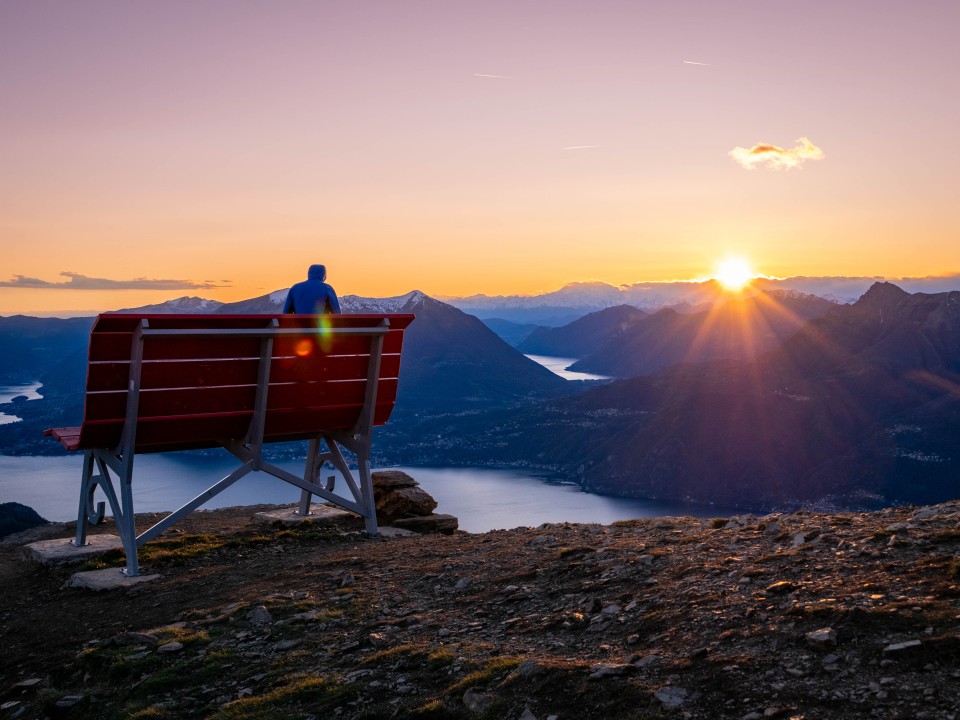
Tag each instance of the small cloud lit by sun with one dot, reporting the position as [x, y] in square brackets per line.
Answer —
[734, 273]
[776, 158]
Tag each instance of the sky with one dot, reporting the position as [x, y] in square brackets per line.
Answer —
[218, 148]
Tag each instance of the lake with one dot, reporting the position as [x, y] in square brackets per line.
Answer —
[482, 499]
[559, 365]
[9, 392]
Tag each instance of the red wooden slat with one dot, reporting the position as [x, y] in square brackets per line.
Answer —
[231, 398]
[117, 346]
[203, 373]
[69, 437]
[297, 369]
[173, 373]
[334, 344]
[184, 430]
[180, 401]
[127, 322]
[199, 431]
[325, 394]
[157, 434]
[282, 424]
[109, 346]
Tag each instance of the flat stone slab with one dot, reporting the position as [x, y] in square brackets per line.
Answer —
[319, 514]
[108, 579]
[62, 552]
[433, 523]
[386, 531]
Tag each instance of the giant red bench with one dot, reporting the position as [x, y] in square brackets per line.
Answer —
[158, 383]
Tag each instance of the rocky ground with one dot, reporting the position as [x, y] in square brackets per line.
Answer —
[785, 616]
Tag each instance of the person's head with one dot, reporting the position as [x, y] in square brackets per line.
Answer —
[317, 272]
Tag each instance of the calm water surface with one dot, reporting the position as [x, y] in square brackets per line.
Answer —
[559, 365]
[482, 499]
[9, 392]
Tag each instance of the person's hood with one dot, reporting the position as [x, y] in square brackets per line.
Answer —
[317, 272]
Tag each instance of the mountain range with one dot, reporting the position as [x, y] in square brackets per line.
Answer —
[860, 406]
[763, 401]
[584, 336]
[738, 329]
[560, 307]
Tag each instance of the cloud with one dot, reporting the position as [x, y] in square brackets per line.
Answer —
[777, 158]
[76, 281]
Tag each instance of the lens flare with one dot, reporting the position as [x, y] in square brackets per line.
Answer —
[324, 337]
[303, 348]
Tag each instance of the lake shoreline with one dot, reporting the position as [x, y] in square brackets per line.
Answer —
[483, 498]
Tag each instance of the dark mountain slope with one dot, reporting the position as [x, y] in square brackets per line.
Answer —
[862, 405]
[887, 327]
[739, 329]
[584, 336]
[510, 332]
[31, 344]
[823, 414]
[453, 362]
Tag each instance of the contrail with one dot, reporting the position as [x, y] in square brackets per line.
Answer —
[579, 147]
[693, 62]
[502, 77]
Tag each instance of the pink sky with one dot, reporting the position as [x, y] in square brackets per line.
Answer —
[225, 146]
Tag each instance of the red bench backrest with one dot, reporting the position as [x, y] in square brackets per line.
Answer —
[199, 390]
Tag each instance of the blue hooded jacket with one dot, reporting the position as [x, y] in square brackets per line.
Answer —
[313, 295]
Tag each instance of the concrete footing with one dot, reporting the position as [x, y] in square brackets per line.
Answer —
[63, 552]
[319, 515]
[108, 579]
[386, 531]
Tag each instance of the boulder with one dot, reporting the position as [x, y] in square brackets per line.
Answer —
[400, 496]
[384, 479]
[15, 517]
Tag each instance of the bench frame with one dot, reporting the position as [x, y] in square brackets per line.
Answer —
[99, 463]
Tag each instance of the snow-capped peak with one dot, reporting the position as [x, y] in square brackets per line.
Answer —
[357, 304]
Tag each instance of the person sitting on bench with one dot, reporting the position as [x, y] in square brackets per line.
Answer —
[312, 296]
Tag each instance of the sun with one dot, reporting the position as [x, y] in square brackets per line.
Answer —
[734, 273]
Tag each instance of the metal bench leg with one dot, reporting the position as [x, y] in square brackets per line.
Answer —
[366, 489]
[311, 473]
[87, 488]
[125, 522]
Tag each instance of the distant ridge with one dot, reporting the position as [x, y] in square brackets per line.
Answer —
[738, 329]
[584, 336]
[582, 298]
[177, 306]
[511, 332]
